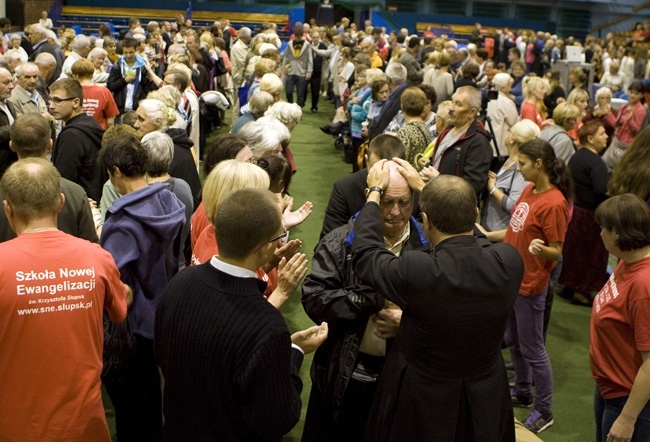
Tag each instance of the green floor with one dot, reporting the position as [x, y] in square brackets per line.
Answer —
[319, 165]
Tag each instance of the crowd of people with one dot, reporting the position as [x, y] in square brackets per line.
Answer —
[479, 188]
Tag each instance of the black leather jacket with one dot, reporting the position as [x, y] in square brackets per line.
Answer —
[333, 294]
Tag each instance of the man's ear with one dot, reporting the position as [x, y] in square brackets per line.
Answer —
[61, 204]
[11, 146]
[49, 145]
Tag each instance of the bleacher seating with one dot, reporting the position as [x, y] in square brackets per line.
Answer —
[88, 18]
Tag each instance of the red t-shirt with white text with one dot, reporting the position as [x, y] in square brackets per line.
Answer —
[620, 328]
[537, 216]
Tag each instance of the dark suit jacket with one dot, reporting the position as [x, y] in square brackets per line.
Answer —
[444, 377]
[347, 198]
[58, 55]
[7, 157]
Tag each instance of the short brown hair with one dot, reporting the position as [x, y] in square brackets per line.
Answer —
[413, 101]
[587, 130]
[450, 204]
[245, 220]
[83, 68]
[32, 187]
[71, 87]
[125, 153]
[628, 216]
[30, 135]
[386, 147]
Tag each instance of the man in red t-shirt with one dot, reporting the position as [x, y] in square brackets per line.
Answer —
[54, 289]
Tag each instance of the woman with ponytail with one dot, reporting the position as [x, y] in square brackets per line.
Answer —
[533, 108]
[537, 229]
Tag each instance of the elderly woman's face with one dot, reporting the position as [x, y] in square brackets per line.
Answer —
[604, 100]
[145, 124]
[98, 61]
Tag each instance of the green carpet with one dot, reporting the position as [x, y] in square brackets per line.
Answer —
[319, 165]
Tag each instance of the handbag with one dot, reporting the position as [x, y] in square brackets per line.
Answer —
[119, 351]
[219, 67]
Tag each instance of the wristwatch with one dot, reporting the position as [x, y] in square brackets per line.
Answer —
[376, 189]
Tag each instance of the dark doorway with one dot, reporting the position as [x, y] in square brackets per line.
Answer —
[311, 11]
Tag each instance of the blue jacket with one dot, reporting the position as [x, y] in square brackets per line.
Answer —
[359, 111]
[143, 233]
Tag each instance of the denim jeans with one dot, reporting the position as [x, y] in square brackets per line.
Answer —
[299, 83]
[525, 339]
[608, 410]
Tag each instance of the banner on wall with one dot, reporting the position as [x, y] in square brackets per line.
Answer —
[325, 13]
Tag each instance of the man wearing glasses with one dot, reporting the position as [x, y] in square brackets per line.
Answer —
[75, 150]
[229, 363]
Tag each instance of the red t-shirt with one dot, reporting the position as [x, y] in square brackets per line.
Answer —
[206, 247]
[99, 104]
[543, 216]
[199, 222]
[620, 328]
[53, 292]
[529, 112]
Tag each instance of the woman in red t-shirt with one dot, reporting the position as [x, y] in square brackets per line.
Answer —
[619, 353]
[537, 228]
[533, 108]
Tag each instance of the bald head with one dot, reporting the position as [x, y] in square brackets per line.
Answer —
[396, 204]
[397, 181]
[46, 65]
[32, 190]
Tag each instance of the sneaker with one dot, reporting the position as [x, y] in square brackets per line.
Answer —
[520, 400]
[538, 422]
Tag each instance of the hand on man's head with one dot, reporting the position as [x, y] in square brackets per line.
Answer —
[379, 175]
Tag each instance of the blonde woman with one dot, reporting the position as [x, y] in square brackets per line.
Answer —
[225, 178]
[533, 107]
[505, 186]
[580, 99]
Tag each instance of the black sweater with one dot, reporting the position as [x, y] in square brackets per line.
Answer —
[225, 353]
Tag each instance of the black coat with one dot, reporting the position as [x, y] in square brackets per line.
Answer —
[7, 156]
[469, 157]
[75, 154]
[332, 293]
[346, 199]
[59, 56]
[183, 165]
[444, 378]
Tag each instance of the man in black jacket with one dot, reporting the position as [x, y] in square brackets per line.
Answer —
[31, 138]
[463, 149]
[6, 120]
[444, 378]
[38, 37]
[347, 196]
[129, 78]
[348, 365]
[76, 148]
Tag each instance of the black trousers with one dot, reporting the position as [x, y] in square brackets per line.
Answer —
[138, 400]
[314, 90]
[350, 426]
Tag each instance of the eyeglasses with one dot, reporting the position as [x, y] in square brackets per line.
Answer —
[277, 238]
[57, 100]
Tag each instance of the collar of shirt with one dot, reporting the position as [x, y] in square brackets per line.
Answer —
[34, 96]
[401, 242]
[237, 272]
